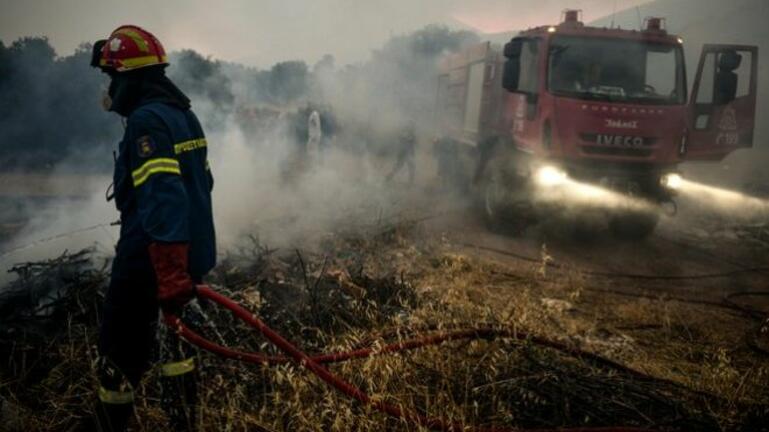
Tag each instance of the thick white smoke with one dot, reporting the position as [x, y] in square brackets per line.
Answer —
[263, 185]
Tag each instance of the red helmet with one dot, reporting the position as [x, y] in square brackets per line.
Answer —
[131, 47]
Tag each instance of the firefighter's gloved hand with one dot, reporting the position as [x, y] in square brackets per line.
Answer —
[175, 286]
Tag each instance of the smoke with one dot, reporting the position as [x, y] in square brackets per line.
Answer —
[736, 205]
[266, 183]
[573, 194]
[49, 108]
[272, 187]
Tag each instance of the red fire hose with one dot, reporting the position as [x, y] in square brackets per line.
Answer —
[314, 364]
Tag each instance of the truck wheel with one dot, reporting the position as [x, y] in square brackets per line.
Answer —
[634, 226]
[493, 204]
[505, 208]
[587, 226]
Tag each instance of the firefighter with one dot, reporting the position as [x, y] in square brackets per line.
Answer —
[726, 78]
[314, 136]
[162, 189]
[406, 153]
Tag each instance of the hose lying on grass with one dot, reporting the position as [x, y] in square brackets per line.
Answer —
[315, 363]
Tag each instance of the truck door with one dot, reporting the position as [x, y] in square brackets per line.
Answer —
[723, 104]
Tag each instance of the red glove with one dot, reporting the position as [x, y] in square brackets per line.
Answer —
[175, 286]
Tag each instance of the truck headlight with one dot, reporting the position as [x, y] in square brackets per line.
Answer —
[672, 181]
[550, 176]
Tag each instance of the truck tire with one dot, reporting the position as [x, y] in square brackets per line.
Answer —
[587, 226]
[634, 225]
[505, 207]
[493, 203]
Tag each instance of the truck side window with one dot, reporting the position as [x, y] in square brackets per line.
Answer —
[726, 77]
[705, 95]
[529, 79]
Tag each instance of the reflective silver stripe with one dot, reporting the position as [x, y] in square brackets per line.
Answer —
[154, 166]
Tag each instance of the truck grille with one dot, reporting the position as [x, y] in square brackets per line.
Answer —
[617, 151]
[617, 145]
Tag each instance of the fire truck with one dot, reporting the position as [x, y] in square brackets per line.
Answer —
[607, 107]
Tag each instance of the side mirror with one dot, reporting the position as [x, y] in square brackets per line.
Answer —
[513, 48]
[511, 74]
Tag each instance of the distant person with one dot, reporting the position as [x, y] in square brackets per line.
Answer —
[314, 136]
[330, 127]
[162, 188]
[726, 78]
[406, 153]
[446, 153]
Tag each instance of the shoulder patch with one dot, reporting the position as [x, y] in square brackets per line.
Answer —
[145, 146]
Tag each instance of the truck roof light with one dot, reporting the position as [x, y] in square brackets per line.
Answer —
[571, 16]
[655, 24]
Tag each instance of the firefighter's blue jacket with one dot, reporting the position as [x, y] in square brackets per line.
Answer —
[163, 183]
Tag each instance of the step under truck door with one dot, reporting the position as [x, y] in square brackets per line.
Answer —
[723, 103]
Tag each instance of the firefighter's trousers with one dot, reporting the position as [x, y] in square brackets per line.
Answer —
[130, 342]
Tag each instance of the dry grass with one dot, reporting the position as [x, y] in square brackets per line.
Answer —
[410, 283]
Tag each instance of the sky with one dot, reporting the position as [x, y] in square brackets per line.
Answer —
[262, 32]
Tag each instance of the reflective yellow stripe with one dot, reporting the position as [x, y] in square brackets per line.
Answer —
[190, 145]
[136, 62]
[115, 397]
[178, 368]
[155, 166]
[136, 37]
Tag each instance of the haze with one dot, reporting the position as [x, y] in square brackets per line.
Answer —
[262, 32]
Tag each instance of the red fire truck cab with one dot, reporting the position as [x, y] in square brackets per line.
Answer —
[600, 105]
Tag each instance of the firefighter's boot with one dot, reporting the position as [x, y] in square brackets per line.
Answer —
[116, 399]
[179, 383]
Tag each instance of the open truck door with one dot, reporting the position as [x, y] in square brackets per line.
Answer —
[723, 103]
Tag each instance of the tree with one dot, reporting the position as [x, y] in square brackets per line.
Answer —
[50, 107]
[324, 65]
[34, 49]
[288, 80]
[201, 76]
[5, 66]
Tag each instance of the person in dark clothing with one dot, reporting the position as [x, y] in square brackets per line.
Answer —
[162, 189]
[406, 153]
[726, 78]
[446, 153]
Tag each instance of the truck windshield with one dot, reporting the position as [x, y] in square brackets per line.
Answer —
[616, 70]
